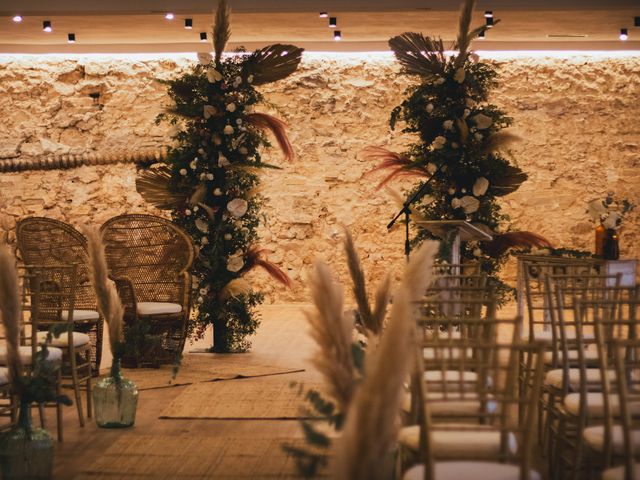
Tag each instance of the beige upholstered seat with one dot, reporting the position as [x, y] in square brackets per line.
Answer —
[553, 378]
[81, 315]
[470, 471]
[452, 406]
[618, 473]
[4, 375]
[55, 354]
[62, 341]
[594, 436]
[158, 308]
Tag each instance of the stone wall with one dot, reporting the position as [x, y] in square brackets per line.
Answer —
[577, 117]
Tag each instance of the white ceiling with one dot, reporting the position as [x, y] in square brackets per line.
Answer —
[126, 26]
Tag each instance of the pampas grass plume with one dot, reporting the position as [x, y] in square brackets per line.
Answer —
[359, 285]
[10, 311]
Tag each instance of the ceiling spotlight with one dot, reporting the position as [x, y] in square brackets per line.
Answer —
[203, 36]
[71, 37]
[46, 26]
[188, 23]
[636, 21]
[17, 18]
[481, 35]
[333, 22]
[169, 16]
[337, 36]
[324, 14]
[489, 22]
[624, 34]
[488, 14]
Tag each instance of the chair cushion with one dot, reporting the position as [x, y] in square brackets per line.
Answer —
[158, 308]
[81, 315]
[79, 339]
[553, 378]
[547, 335]
[445, 354]
[4, 376]
[617, 473]
[55, 354]
[451, 407]
[594, 436]
[450, 376]
[595, 404]
[458, 443]
[590, 356]
[471, 471]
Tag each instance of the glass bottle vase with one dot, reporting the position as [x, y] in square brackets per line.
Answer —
[600, 236]
[611, 250]
[115, 400]
[26, 452]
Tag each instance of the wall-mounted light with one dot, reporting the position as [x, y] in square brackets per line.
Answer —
[337, 36]
[636, 21]
[188, 23]
[488, 14]
[324, 14]
[333, 22]
[489, 22]
[17, 18]
[71, 37]
[203, 36]
[46, 26]
[624, 34]
[481, 35]
[169, 16]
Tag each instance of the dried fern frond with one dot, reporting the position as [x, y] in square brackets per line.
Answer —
[419, 55]
[154, 185]
[109, 303]
[10, 312]
[277, 127]
[273, 62]
[508, 181]
[221, 29]
[359, 284]
[370, 429]
[331, 331]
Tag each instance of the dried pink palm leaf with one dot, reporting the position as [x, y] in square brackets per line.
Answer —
[398, 165]
[277, 127]
[254, 258]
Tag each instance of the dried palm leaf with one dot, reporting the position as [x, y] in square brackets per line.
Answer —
[359, 284]
[399, 165]
[253, 258]
[235, 288]
[273, 62]
[277, 127]
[10, 312]
[500, 141]
[331, 330]
[504, 241]
[154, 184]
[418, 54]
[370, 429]
[221, 29]
[464, 40]
[109, 303]
[508, 182]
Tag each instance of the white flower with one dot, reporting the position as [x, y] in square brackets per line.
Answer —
[194, 164]
[478, 136]
[238, 223]
[237, 82]
[203, 176]
[469, 102]
[235, 262]
[183, 171]
[250, 79]
[202, 152]
[209, 111]
[448, 124]
[452, 191]
[200, 300]
[187, 212]
[238, 207]
[217, 192]
[202, 225]
[204, 58]
[213, 75]
[228, 130]
[203, 291]
[432, 168]
[480, 186]
[459, 75]
[217, 140]
[463, 190]
[455, 202]
[243, 150]
[477, 252]
[231, 107]
[482, 121]
[196, 208]
[204, 241]
[223, 161]
[439, 142]
[429, 107]
[597, 209]
[611, 221]
[227, 236]
[427, 200]
[475, 58]
[439, 81]
[238, 121]
[209, 176]
[466, 113]
[469, 204]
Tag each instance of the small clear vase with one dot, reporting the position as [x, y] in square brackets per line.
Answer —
[115, 400]
[26, 452]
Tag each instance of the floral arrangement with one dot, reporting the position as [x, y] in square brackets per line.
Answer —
[608, 211]
[209, 179]
[460, 151]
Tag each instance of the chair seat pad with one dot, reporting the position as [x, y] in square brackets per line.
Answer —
[595, 404]
[4, 376]
[554, 378]
[458, 443]
[547, 335]
[450, 376]
[55, 354]
[617, 473]
[79, 339]
[471, 471]
[81, 315]
[590, 356]
[451, 406]
[445, 354]
[594, 436]
[158, 308]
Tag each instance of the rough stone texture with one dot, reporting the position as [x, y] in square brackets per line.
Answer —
[577, 117]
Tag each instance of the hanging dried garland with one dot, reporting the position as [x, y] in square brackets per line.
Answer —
[209, 180]
[461, 143]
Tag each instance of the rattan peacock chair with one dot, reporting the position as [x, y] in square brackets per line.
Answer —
[149, 258]
[51, 243]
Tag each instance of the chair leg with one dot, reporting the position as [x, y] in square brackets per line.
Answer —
[59, 405]
[89, 376]
[76, 386]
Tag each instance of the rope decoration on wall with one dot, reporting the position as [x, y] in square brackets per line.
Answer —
[65, 161]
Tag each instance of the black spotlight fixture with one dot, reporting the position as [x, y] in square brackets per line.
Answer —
[46, 26]
[636, 21]
[624, 34]
[71, 37]
[337, 36]
[333, 22]
[488, 14]
[481, 35]
[203, 36]
[489, 22]
[188, 23]
[324, 14]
